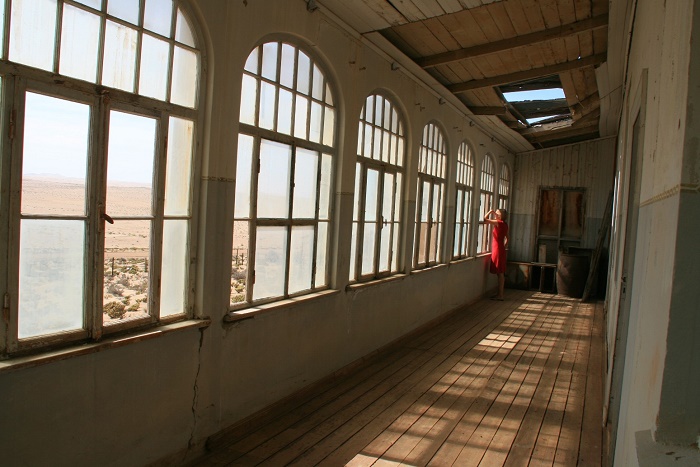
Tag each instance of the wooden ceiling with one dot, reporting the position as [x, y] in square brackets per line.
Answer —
[478, 49]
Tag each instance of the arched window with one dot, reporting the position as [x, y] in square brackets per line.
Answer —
[432, 165]
[102, 187]
[488, 182]
[376, 226]
[504, 188]
[463, 206]
[283, 177]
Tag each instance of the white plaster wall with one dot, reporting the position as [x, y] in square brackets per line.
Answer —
[660, 43]
[162, 398]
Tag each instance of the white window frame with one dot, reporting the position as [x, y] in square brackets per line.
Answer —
[381, 149]
[432, 172]
[504, 188]
[18, 80]
[326, 150]
[464, 199]
[487, 185]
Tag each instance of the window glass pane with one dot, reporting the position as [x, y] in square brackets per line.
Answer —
[324, 201]
[387, 198]
[273, 180]
[251, 63]
[305, 182]
[128, 10]
[300, 116]
[2, 28]
[184, 78]
[54, 163]
[395, 248]
[287, 66]
[119, 63]
[239, 262]
[353, 253]
[315, 123]
[367, 149]
[32, 32]
[397, 203]
[51, 276]
[384, 248]
[127, 270]
[301, 258]
[173, 292]
[178, 167]
[183, 31]
[284, 112]
[317, 91]
[303, 72]
[358, 193]
[154, 67]
[78, 44]
[329, 95]
[270, 260]
[244, 164]
[248, 98]
[267, 105]
[130, 158]
[321, 255]
[96, 4]
[371, 190]
[269, 63]
[158, 16]
[328, 126]
[368, 248]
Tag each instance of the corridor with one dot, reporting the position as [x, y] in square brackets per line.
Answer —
[511, 383]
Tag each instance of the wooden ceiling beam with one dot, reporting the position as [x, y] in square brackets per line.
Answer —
[513, 42]
[553, 135]
[488, 110]
[527, 74]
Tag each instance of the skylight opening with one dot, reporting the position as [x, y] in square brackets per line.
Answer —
[535, 95]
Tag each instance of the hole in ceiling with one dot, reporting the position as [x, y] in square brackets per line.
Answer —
[537, 101]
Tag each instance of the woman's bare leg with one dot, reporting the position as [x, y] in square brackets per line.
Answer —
[501, 284]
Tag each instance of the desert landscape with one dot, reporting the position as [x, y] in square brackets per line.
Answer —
[127, 242]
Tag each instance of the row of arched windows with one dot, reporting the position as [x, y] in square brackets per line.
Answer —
[284, 172]
[100, 167]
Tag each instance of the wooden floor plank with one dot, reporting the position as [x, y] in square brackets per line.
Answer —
[497, 383]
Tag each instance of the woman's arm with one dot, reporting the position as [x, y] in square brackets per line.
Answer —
[490, 221]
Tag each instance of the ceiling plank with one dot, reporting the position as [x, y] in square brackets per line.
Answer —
[450, 6]
[388, 13]
[408, 9]
[528, 74]
[519, 41]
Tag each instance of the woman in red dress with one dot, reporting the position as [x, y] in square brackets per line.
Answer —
[498, 247]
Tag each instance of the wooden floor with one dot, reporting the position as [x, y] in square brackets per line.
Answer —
[512, 383]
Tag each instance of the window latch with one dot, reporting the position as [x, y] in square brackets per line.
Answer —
[107, 217]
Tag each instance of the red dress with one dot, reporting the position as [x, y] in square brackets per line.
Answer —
[498, 248]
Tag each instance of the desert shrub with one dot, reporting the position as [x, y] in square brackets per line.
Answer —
[238, 299]
[116, 289]
[134, 307]
[239, 274]
[115, 310]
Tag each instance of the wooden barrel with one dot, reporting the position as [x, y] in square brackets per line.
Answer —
[572, 272]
